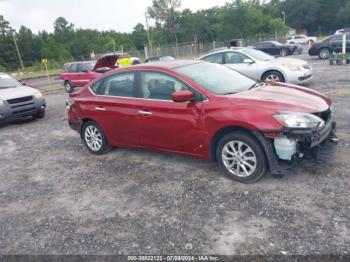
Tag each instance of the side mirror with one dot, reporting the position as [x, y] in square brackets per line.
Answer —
[182, 96]
[248, 61]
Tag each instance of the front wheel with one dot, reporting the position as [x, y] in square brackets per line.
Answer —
[40, 114]
[284, 52]
[324, 53]
[273, 76]
[94, 138]
[241, 157]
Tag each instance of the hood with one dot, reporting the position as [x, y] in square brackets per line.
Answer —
[287, 60]
[106, 61]
[16, 92]
[285, 97]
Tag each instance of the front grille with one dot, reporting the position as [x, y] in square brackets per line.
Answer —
[20, 100]
[325, 115]
[304, 78]
[24, 111]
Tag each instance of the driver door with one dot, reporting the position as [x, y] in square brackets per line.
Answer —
[235, 60]
[164, 124]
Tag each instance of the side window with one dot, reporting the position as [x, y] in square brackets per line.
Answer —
[81, 68]
[234, 58]
[300, 37]
[116, 85]
[215, 58]
[73, 68]
[160, 86]
[289, 38]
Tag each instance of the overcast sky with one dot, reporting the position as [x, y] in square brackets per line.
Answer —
[119, 15]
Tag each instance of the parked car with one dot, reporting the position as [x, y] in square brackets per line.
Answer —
[18, 101]
[300, 39]
[78, 74]
[204, 110]
[261, 66]
[342, 31]
[159, 58]
[333, 43]
[278, 49]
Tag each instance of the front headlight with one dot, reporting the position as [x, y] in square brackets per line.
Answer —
[299, 120]
[292, 67]
[38, 94]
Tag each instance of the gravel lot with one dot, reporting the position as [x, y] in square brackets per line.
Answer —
[57, 198]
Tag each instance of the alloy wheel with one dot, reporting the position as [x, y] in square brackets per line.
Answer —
[283, 52]
[273, 78]
[239, 158]
[324, 54]
[93, 138]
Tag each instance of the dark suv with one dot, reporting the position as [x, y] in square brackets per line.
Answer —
[329, 45]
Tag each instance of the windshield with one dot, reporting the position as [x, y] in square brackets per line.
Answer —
[90, 65]
[7, 81]
[258, 55]
[217, 78]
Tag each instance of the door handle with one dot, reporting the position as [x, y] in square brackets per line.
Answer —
[145, 113]
[100, 109]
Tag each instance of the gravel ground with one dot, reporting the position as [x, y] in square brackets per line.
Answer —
[57, 198]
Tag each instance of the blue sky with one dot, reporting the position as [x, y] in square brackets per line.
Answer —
[119, 15]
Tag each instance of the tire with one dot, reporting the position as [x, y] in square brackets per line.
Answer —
[39, 115]
[310, 42]
[94, 138]
[273, 76]
[324, 53]
[284, 52]
[68, 87]
[241, 157]
[136, 62]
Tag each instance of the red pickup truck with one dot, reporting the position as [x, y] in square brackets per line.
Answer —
[77, 74]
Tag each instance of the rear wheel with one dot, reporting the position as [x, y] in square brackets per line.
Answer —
[68, 87]
[94, 138]
[273, 76]
[324, 53]
[241, 157]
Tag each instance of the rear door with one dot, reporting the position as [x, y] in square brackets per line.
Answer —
[115, 108]
[168, 125]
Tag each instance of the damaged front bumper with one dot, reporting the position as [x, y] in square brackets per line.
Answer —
[317, 145]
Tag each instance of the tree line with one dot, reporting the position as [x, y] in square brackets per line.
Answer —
[236, 19]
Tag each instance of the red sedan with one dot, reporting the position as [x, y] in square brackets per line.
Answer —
[207, 111]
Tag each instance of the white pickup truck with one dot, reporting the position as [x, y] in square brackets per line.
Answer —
[18, 101]
[300, 39]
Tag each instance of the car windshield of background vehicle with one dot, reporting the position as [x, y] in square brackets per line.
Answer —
[7, 82]
[217, 78]
[90, 65]
[258, 55]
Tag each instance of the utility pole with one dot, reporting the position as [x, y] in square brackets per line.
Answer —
[284, 17]
[18, 53]
[148, 36]
[113, 46]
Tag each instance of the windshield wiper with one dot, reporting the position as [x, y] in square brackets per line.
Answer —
[257, 84]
